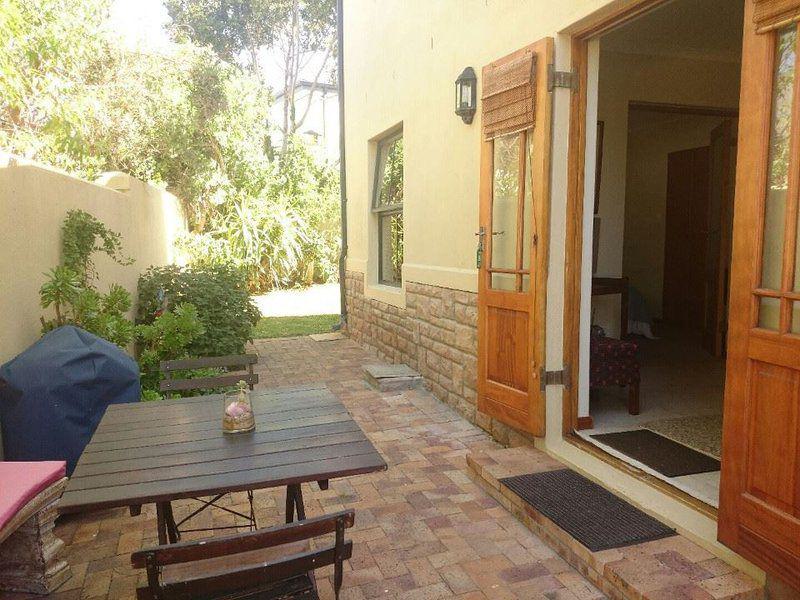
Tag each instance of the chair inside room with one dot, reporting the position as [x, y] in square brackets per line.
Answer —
[614, 362]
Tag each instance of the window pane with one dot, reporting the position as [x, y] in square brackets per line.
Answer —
[389, 174]
[391, 247]
[504, 202]
[769, 313]
[778, 174]
[795, 317]
[504, 281]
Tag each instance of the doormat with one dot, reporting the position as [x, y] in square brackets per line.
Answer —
[588, 512]
[659, 453]
[703, 433]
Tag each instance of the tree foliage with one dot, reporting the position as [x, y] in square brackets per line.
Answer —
[73, 96]
[239, 30]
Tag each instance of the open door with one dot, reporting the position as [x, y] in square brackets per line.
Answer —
[759, 513]
[718, 239]
[514, 203]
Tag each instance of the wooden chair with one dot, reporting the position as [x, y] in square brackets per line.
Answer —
[248, 565]
[243, 371]
[245, 362]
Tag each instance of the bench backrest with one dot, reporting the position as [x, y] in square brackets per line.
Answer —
[243, 362]
[237, 577]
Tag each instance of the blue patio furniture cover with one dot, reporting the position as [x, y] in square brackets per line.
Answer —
[53, 395]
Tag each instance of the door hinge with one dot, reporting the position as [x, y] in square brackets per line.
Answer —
[562, 79]
[554, 378]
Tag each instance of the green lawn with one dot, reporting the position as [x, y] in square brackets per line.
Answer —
[276, 327]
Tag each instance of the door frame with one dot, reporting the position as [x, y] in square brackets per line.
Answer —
[581, 34]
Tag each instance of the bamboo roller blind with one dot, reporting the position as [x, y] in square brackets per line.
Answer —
[771, 14]
[509, 95]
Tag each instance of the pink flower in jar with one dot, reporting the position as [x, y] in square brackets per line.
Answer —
[237, 409]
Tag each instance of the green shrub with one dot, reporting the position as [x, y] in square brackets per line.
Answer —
[166, 338]
[218, 292]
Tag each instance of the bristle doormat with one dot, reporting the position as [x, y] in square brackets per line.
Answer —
[703, 433]
[588, 512]
[659, 453]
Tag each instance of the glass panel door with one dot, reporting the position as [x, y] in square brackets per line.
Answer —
[509, 250]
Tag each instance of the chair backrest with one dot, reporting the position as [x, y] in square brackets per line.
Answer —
[241, 361]
[245, 577]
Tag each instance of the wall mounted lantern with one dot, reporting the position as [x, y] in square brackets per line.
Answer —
[466, 95]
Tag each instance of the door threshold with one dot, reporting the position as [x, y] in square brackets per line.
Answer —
[656, 568]
[641, 472]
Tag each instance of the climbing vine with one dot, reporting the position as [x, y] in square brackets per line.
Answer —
[83, 235]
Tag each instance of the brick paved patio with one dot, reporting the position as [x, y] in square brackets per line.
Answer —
[423, 529]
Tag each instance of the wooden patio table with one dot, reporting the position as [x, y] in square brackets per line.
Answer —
[156, 452]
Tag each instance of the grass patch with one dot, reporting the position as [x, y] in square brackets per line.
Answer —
[277, 327]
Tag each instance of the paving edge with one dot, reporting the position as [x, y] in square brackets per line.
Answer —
[587, 563]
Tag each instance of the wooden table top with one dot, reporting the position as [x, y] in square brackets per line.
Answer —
[164, 450]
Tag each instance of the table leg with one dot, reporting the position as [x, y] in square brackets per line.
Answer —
[294, 500]
[161, 524]
[172, 528]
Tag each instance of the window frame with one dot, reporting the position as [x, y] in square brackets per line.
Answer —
[384, 211]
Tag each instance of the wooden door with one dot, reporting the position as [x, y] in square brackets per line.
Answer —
[514, 202]
[759, 514]
[686, 230]
[718, 244]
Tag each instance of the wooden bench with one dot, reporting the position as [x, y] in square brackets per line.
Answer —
[271, 563]
[29, 549]
[244, 362]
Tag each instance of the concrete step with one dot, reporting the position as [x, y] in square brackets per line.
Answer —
[666, 569]
[392, 378]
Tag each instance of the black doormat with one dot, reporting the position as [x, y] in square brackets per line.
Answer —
[588, 512]
[659, 453]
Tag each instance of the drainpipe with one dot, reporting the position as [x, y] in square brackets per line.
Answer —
[342, 170]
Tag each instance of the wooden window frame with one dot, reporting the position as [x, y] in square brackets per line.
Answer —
[388, 210]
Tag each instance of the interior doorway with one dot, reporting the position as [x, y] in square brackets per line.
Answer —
[662, 107]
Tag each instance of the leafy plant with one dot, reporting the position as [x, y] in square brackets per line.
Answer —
[69, 287]
[218, 292]
[101, 314]
[168, 337]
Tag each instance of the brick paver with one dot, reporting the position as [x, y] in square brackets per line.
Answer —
[423, 529]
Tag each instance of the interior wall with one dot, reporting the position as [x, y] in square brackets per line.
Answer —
[637, 77]
[651, 137]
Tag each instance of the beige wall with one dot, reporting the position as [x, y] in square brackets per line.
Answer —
[401, 61]
[34, 200]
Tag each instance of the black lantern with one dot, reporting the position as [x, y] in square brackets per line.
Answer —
[466, 95]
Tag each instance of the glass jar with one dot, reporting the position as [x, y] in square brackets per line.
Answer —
[237, 411]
